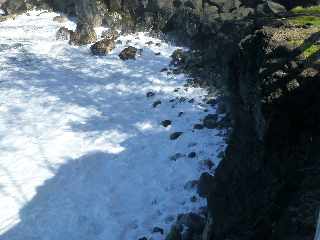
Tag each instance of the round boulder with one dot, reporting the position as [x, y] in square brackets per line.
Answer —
[128, 53]
[103, 47]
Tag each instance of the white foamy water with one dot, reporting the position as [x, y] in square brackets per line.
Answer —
[82, 152]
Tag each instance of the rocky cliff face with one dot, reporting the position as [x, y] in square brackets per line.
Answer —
[266, 188]
[267, 66]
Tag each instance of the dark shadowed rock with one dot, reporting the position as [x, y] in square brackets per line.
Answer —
[166, 123]
[150, 94]
[198, 126]
[175, 136]
[128, 53]
[103, 47]
[210, 121]
[205, 184]
[63, 34]
[192, 221]
[158, 230]
[143, 238]
[178, 57]
[192, 155]
[156, 103]
[83, 35]
[175, 233]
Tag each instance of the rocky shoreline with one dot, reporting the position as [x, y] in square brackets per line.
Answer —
[264, 60]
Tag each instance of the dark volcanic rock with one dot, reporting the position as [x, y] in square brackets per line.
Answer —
[259, 185]
[128, 53]
[192, 155]
[205, 184]
[166, 123]
[175, 233]
[83, 35]
[158, 230]
[143, 238]
[198, 126]
[103, 47]
[192, 221]
[63, 34]
[210, 121]
[156, 103]
[178, 57]
[150, 94]
[176, 135]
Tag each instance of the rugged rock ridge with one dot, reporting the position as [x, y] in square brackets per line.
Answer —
[266, 188]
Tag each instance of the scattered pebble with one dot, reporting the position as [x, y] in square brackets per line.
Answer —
[156, 103]
[150, 94]
[193, 144]
[192, 155]
[180, 114]
[158, 230]
[175, 136]
[166, 123]
[198, 126]
[177, 156]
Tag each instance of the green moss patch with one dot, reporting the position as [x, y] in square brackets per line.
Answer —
[306, 20]
[308, 49]
[312, 50]
[308, 10]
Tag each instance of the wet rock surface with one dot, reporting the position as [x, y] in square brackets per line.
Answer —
[84, 34]
[63, 34]
[103, 47]
[128, 53]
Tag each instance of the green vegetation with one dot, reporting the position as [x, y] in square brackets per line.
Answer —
[308, 10]
[308, 49]
[306, 20]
